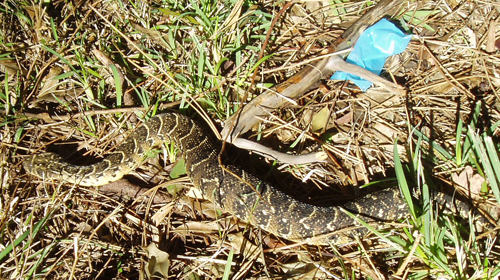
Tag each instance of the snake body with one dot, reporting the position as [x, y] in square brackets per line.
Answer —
[229, 187]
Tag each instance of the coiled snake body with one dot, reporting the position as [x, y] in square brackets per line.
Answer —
[229, 187]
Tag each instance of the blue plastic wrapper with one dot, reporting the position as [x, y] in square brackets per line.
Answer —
[373, 47]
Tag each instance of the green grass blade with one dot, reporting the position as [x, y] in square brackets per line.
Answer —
[227, 268]
[30, 232]
[403, 184]
[495, 166]
[442, 151]
[118, 85]
[458, 141]
[373, 230]
[482, 153]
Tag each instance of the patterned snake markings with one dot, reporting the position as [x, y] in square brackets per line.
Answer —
[233, 191]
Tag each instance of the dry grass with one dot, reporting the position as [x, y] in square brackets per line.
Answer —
[55, 59]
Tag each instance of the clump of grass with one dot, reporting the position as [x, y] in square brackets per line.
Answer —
[446, 246]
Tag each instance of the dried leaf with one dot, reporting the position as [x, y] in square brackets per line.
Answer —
[243, 246]
[155, 35]
[51, 91]
[10, 67]
[347, 118]
[476, 183]
[159, 261]
[320, 120]
[385, 132]
[206, 207]
[51, 82]
[183, 18]
[162, 213]
[206, 228]
[468, 180]
[462, 179]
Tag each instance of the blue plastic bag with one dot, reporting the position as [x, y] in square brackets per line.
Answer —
[373, 47]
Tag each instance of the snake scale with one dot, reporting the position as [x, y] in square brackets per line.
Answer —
[231, 188]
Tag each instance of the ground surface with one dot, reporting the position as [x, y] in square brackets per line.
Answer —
[75, 76]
